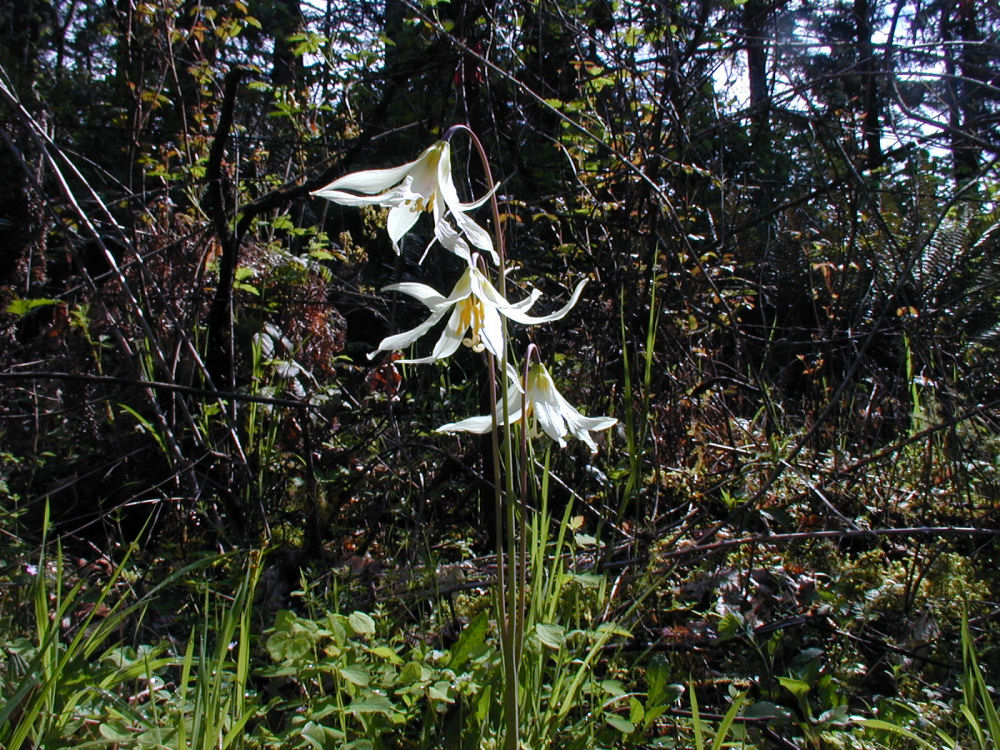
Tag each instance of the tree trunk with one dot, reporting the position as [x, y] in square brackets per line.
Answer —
[755, 14]
[286, 20]
[868, 70]
[966, 73]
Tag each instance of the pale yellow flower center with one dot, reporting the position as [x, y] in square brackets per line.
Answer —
[422, 203]
[532, 385]
[471, 315]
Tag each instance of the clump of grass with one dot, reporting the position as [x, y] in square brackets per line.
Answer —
[78, 678]
[975, 718]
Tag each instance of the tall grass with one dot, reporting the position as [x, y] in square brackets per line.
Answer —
[975, 718]
[215, 695]
[638, 391]
[46, 692]
[561, 693]
[79, 678]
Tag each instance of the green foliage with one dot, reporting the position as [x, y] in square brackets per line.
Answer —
[971, 720]
[355, 686]
[791, 308]
[75, 679]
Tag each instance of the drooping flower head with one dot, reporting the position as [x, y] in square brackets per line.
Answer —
[544, 407]
[422, 185]
[476, 309]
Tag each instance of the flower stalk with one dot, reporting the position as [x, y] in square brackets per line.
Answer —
[511, 617]
[477, 314]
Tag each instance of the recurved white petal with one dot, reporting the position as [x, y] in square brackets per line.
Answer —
[477, 425]
[403, 340]
[484, 423]
[447, 344]
[456, 210]
[401, 220]
[350, 199]
[463, 287]
[581, 427]
[479, 201]
[446, 183]
[584, 436]
[476, 234]
[451, 239]
[492, 331]
[428, 295]
[592, 423]
[515, 312]
[514, 381]
[367, 181]
[524, 304]
[550, 419]
[489, 293]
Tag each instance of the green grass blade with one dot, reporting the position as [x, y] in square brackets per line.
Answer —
[727, 722]
[886, 726]
[699, 739]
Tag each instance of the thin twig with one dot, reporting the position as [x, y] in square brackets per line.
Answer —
[805, 536]
[172, 387]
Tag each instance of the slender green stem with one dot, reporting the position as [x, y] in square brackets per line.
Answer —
[497, 488]
[494, 205]
[527, 490]
[509, 601]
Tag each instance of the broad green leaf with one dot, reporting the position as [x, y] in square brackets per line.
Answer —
[361, 623]
[613, 687]
[293, 638]
[356, 675]
[483, 704]
[372, 704]
[440, 691]
[471, 642]
[386, 653]
[589, 580]
[22, 306]
[553, 636]
[411, 673]
[620, 723]
[730, 626]
[115, 733]
[320, 737]
[636, 713]
[798, 688]
[658, 691]
[765, 709]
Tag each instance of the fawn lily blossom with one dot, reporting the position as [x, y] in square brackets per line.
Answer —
[425, 184]
[539, 400]
[476, 307]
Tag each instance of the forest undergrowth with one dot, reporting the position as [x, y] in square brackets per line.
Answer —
[235, 514]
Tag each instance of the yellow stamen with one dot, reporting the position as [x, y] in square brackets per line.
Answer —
[471, 316]
[422, 204]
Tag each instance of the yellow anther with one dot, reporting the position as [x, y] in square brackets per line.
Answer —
[471, 317]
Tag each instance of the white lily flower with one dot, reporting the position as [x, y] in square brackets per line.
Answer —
[424, 184]
[476, 307]
[540, 400]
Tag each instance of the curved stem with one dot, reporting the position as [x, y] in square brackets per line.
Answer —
[494, 204]
[497, 491]
[531, 351]
[510, 597]
[526, 490]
